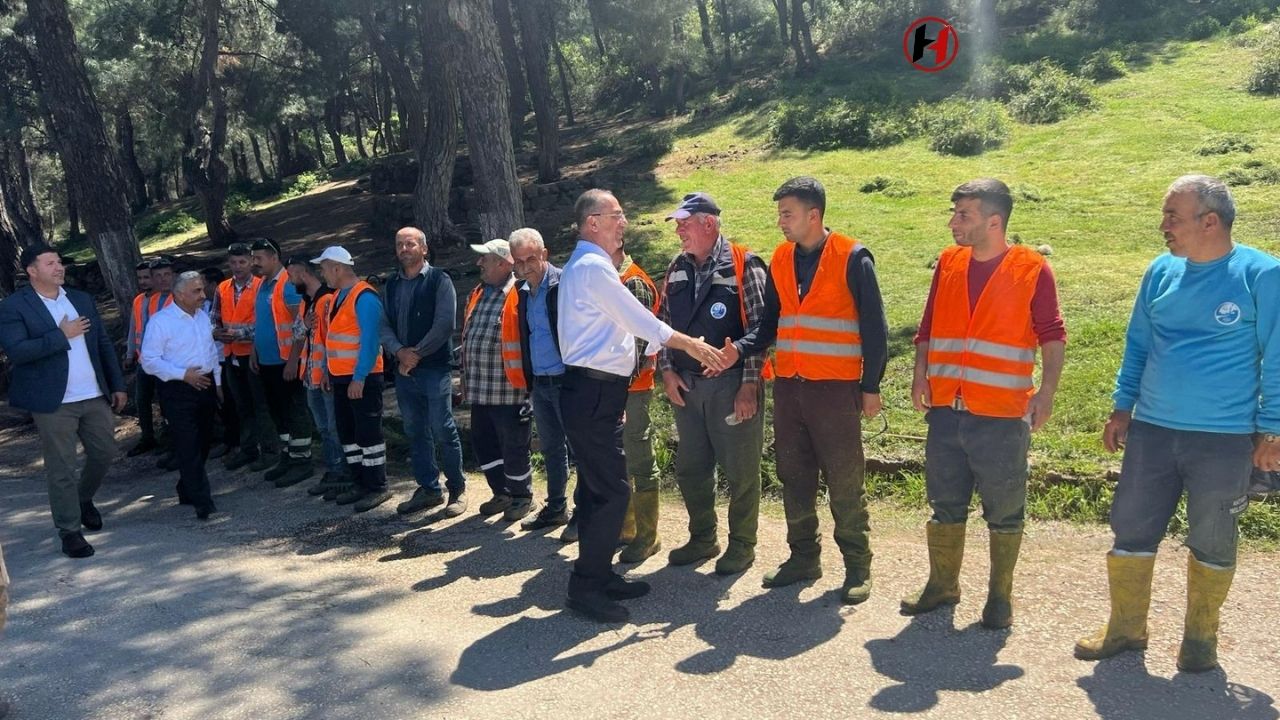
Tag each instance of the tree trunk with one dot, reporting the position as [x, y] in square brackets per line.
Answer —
[159, 183]
[594, 9]
[359, 132]
[257, 158]
[564, 78]
[805, 35]
[533, 36]
[239, 164]
[409, 102]
[679, 72]
[286, 164]
[203, 144]
[137, 181]
[17, 192]
[74, 236]
[333, 126]
[511, 61]
[726, 29]
[483, 93]
[302, 157]
[437, 154]
[704, 22]
[780, 6]
[382, 109]
[797, 43]
[81, 138]
[315, 135]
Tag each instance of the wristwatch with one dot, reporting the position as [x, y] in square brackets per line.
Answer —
[1270, 437]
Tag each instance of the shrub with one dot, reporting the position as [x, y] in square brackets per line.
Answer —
[838, 123]
[889, 129]
[1103, 65]
[890, 187]
[1243, 24]
[652, 143]
[964, 127]
[1224, 145]
[1203, 28]
[1051, 94]
[169, 222]
[303, 183]
[238, 204]
[1264, 76]
[878, 183]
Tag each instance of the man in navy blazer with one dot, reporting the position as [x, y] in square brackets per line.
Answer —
[64, 371]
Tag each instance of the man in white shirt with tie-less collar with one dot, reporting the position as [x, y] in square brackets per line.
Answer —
[180, 352]
[599, 321]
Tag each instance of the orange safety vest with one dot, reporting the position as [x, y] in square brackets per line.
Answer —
[282, 316]
[238, 316]
[312, 359]
[146, 305]
[818, 339]
[739, 268]
[512, 356]
[342, 336]
[644, 380]
[987, 356]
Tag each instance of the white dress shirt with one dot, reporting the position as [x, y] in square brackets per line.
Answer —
[82, 381]
[599, 318]
[176, 340]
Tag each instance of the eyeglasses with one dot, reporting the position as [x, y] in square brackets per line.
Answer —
[617, 215]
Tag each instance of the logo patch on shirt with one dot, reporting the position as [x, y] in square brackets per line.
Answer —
[718, 311]
[1228, 313]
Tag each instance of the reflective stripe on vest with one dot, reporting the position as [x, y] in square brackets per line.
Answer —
[986, 356]
[238, 317]
[818, 338]
[342, 336]
[312, 359]
[643, 380]
[282, 316]
[512, 355]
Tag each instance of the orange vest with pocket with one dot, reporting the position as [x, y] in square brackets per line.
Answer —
[818, 339]
[238, 317]
[342, 334]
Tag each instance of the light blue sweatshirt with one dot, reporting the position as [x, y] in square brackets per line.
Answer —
[1203, 350]
[368, 315]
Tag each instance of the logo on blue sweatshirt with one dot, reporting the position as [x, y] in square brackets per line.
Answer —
[1228, 313]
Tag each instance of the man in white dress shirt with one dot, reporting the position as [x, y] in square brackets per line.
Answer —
[179, 351]
[599, 321]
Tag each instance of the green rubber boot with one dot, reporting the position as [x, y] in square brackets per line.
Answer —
[946, 553]
[646, 542]
[1207, 588]
[998, 612]
[1130, 579]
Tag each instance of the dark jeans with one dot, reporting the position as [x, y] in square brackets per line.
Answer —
[321, 404]
[257, 432]
[817, 427]
[228, 412]
[551, 439]
[190, 414]
[425, 397]
[359, 424]
[966, 452]
[500, 436]
[144, 396]
[287, 403]
[592, 410]
[1159, 465]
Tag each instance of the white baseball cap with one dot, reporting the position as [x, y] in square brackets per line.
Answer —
[498, 247]
[337, 254]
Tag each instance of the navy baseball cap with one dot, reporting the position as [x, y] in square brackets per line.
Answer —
[695, 203]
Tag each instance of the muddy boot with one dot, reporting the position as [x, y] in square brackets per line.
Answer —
[794, 569]
[998, 612]
[946, 553]
[857, 584]
[646, 542]
[1207, 588]
[1130, 579]
[628, 532]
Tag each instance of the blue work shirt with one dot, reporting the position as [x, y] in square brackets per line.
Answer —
[543, 352]
[264, 327]
[369, 318]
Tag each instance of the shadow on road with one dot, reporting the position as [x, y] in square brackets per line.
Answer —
[1122, 689]
[930, 656]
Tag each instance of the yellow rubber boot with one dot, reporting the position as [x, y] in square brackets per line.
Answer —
[946, 553]
[644, 516]
[1207, 588]
[1130, 579]
[628, 532]
[998, 612]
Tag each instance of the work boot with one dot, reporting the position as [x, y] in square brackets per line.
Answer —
[570, 532]
[857, 584]
[1207, 588]
[238, 459]
[645, 542]
[282, 466]
[519, 509]
[589, 598]
[1130, 579]
[145, 445]
[737, 558]
[946, 553]
[327, 481]
[793, 570]
[263, 462]
[457, 504]
[997, 614]
[299, 469]
[494, 505]
[423, 499]
[628, 531]
[352, 494]
[338, 489]
[372, 499]
[547, 517]
[697, 549]
[218, 451]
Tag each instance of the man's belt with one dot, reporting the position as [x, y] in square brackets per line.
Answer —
[548, 379]
[597, 374]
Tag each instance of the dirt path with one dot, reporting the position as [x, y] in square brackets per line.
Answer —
[286, 607]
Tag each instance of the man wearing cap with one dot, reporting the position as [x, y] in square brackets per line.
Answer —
[275, 358]
[990, 306]
[823, 305]
[715, 290]
[311, 325]
[353, 358]
[599, 321]
[500, 418]
[233, 322]
[531, 351]
[64, 369]
[180, 352]
[417, 330]
[158, 296]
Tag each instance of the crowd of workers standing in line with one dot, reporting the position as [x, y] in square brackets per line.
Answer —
[286, 349]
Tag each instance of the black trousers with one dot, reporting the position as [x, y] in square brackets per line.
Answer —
[229, 413]
[144, 394]
[592, 408]
[190, 413]
[359, 425]
[501, 436]
[287, 403]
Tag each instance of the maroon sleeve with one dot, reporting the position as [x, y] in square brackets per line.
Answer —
[926, 321]
[1046, 316]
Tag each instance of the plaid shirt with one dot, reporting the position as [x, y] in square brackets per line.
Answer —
[754, 278]
[641, 291]
[483, 377]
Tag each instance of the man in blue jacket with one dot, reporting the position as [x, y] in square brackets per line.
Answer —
[66, 374]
